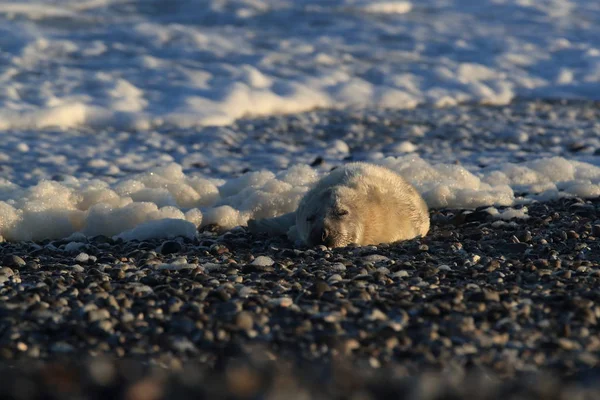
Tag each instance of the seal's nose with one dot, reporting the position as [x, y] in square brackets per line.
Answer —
[319, 236]
[324, 235]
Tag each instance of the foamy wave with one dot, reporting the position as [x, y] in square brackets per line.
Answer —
[149, 204]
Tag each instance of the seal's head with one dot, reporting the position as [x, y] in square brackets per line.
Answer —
[330, 217]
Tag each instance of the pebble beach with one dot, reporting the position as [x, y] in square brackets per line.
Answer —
[502, 300]
[139, 137]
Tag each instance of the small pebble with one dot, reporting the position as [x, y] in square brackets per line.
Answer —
[13, 261]
[244, 321]
[281, 302]
[170, 247]
[82, 258]
[263, 261]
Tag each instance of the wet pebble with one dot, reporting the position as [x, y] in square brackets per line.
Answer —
[475, 289]
[262, 261]
[170, 247]
[13, 261]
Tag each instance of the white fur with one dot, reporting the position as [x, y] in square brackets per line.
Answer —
[358, 203]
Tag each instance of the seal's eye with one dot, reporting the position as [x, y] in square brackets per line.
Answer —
[311, 218]
[341, 213]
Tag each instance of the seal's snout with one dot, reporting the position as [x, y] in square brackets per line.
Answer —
[324, 234]
[319, 235]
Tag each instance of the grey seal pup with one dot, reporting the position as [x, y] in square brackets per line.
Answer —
[358, 203]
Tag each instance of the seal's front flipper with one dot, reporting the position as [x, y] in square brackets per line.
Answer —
[273, 226]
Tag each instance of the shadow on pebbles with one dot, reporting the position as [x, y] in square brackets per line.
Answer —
[478, 309]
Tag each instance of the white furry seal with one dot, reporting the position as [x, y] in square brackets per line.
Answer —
[358, 203]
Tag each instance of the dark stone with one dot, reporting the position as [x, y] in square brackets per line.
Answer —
[32, 265]
[477, 216]
[170, 247]
[227, 309]
[319, 288]
[317, 161]
[576, 147]
[514, 248]
[244, 321]
[13, 261]
[58, 177]
[525, 236]
[100, 239]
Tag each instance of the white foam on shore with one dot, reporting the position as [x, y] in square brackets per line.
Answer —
[129, 75]
[508, 214]
[171, 203]
[142, 65]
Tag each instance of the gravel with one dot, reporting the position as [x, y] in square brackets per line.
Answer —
[516, 302]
